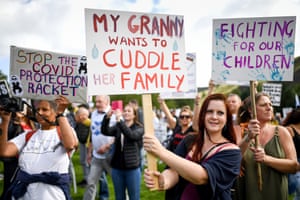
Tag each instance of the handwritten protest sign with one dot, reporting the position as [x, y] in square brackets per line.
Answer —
[37, 74]
[134, 53]
[274, 91]
[191, 86]
[253, 49]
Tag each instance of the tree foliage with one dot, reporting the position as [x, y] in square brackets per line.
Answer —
[2, 76]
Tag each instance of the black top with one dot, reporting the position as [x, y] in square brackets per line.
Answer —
[82, 132]
[126, 150]
[223, 168]
[296, 140]
[177, 136]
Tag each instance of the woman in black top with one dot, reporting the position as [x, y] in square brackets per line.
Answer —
[125, 161]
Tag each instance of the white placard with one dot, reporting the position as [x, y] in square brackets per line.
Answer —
[274, 91]
[37, 74]
[253, 49]
[134, 53]
[191, 92]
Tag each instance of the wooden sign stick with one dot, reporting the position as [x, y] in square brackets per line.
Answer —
[149, 129]
[253, 106]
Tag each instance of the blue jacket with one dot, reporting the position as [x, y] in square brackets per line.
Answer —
[23, 179]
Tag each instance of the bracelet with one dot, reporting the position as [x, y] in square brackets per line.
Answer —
[59, 115]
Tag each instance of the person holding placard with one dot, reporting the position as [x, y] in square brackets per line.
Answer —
[179, 128]
[204, 165]
[275, 153]
[44, 154]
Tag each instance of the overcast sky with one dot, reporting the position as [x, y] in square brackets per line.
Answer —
[58, 25]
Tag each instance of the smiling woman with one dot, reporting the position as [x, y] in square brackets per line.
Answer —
[204, 165]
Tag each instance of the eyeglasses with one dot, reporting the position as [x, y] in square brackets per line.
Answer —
[184, 116]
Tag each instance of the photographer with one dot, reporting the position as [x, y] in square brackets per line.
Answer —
[18, 124]
[44, 157]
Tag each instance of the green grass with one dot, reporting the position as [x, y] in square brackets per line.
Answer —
[146, 194]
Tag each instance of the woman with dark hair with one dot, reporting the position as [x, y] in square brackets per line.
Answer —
[43, 155]
[292, 123]
[206, 164]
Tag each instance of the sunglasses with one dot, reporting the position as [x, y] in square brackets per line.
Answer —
[184, 116]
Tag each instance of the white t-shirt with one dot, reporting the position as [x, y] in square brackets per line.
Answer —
[98, 139]
[42, 153]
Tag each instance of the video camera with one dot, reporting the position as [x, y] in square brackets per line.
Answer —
[7, 102]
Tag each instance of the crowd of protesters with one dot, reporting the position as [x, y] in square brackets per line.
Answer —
[211, 151]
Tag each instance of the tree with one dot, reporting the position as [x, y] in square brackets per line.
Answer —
[2, 76]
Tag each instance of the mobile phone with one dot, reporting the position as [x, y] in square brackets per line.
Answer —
[117, 104]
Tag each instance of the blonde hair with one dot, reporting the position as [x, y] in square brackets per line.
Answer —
[188, 109]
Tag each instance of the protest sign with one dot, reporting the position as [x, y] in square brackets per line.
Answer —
[4, 90]
[274, 91]
[134, 53]
[253, 49]
[191, 86]
[37, 74]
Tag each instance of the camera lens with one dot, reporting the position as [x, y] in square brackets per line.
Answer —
[4, 102]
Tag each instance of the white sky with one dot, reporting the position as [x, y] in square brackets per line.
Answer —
[59, 25]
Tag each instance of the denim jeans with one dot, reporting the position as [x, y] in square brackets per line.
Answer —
[103, 187]
[126, 179]
[294, 185]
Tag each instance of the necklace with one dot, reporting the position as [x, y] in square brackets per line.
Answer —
[218, 141]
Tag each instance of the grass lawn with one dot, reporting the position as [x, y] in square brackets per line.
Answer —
[145, 193]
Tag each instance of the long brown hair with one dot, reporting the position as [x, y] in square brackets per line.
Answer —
[227, 131]
[136, 114]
